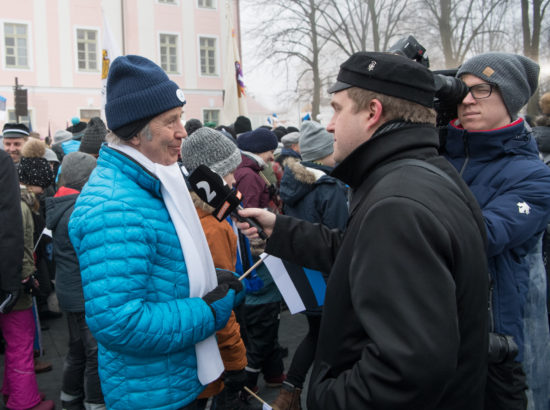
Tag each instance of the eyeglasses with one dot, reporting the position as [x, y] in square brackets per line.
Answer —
[483, 90]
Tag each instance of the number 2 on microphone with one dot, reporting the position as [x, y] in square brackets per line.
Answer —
[210, 195]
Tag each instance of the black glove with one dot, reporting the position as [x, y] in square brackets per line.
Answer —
[8, 299]
[502, 348]
[228, 277]
[31, 284]
[221, 300]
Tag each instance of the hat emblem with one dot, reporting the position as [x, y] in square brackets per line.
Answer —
[371, 65]
[180, 95]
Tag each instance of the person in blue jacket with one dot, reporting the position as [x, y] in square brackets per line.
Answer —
[497, 156]
[152, 297]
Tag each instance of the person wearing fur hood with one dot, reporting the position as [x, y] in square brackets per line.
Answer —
[307, 190]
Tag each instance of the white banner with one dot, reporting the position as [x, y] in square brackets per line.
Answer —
[110, 51]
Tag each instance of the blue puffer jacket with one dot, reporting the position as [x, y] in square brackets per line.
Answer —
[512, 185]
[136, 289]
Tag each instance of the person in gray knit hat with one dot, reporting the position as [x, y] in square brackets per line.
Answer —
[80, 387]
[211, 148]
[497, 157]
[515, 76]
[315, 141]
[77, 167]
[93, 137]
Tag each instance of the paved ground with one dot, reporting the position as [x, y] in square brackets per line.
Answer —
[291, 332]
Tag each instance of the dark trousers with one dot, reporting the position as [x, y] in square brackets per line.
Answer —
[80, 375]
[263, 351]
[506, 386]
[305, 353]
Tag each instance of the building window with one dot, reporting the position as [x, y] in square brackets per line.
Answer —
[86, 41]
[88, 113]
[167, 1]
[208, 56]
[15, 41]
[211, 116]
[169, 53]
[206, 4]
[23, 119]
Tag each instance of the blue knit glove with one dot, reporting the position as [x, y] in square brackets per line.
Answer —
[253, 283]
[221, 300]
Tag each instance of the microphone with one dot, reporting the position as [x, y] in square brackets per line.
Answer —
[213, 190]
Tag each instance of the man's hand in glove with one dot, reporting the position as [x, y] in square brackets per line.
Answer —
[221, 300]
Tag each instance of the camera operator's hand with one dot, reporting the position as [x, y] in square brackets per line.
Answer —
[221, 300]
[8, 299]
[232, 280]
[265, 218]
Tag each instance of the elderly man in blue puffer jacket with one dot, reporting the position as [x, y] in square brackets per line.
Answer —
[152, 297]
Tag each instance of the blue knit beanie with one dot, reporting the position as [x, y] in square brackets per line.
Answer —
[257, 141]
[138, 89]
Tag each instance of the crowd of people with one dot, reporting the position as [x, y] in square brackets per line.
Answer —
[431, 243]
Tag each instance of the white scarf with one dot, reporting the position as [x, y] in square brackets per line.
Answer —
[200, 267]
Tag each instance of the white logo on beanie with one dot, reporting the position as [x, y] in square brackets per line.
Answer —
[371, 65]
[180, 95]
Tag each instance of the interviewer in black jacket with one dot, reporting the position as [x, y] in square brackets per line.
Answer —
[404, 324]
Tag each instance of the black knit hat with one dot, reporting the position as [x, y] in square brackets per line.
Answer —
[192, 125]
[93, 137]
[242, 124]
[77, 129]
[33, 168]
[388, 74]
[13, 130]
[257, 141]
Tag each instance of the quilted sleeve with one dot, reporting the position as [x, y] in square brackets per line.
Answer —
[520, 211]
[115, 245]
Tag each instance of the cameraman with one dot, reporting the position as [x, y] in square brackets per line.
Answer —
[497, 157]
[401, 327]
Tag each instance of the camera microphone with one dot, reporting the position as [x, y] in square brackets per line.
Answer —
[213, 190]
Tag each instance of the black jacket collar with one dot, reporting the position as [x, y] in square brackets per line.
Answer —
[392, 141]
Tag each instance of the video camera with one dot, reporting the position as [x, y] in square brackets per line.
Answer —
[449, 90]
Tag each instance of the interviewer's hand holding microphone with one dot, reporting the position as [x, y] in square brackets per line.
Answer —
[252, 222]
[265, 218]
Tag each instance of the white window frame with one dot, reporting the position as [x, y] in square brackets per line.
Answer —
[86, 119]
[211, 109]
[30, 116]
[178, 51]
[29, 45]
[217, 55]
[98, 49]
[169, 3]
[214, 5]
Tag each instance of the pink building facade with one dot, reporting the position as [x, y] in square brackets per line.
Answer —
[54, 49]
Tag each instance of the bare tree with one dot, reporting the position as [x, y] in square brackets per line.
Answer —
[347, 23]
[293, 38]
[532, 14]
[460, 22]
